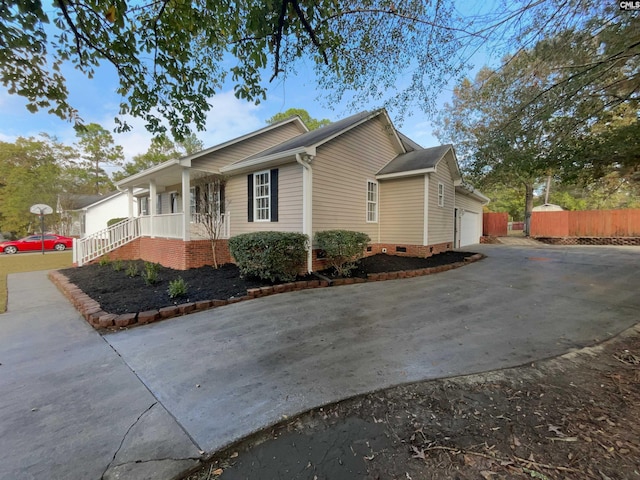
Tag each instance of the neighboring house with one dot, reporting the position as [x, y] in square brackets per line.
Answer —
[82, 215]
[358, 174]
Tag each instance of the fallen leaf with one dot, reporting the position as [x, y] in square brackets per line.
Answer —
[418, 453]
[218, 471]
[487, 474]
[234, 455]
[556, 430]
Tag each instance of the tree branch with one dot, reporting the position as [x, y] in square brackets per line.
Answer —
[309, 30]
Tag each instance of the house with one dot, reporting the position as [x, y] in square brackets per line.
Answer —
[358, 173]
[82, 215]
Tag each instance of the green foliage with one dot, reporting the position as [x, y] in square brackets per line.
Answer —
[104, 261]
[150, 274]
[132, 269]
[342, 248]
[177, 288]
[311, 123]
[97, 151]
[270, 255]
[117, 265]
[31, 171]
[113, 221]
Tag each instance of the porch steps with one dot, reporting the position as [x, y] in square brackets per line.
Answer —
[97, 244]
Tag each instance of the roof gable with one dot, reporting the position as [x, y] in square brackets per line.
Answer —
[418, 161]
[308, 142]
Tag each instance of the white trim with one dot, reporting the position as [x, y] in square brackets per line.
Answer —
[410, 173]
[238, 167]
[307, 205]
[441, 194]
[374, 202]
[267, 196]
[425, 240]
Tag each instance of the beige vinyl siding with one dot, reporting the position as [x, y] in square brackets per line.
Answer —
[440, 222]
[468, 203]
[341, 170]
[246, 148]
[402, 210]
[289, 202]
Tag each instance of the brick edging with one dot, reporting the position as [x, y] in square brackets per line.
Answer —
[99, 319]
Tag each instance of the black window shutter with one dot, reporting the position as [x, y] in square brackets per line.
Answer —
[221, 206]
[274, 195]
[197, 199]
[250, 197]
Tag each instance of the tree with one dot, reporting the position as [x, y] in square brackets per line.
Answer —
[515, 125]
[211, 209]
[97, 151]
[172, 57]
[160, 150]
[311, 123]
[31, 171]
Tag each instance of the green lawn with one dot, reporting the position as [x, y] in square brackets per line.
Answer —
[29, 262]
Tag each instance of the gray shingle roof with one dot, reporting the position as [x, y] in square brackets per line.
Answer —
[76, 202]
[415, 160]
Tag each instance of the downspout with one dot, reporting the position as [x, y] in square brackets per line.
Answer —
[307, 204]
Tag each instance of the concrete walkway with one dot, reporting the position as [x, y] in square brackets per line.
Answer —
[521, 242]
[70, 407]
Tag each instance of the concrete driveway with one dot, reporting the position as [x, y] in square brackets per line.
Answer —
[226, 373]
[140, 404]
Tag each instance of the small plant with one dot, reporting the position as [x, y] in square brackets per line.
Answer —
[177, 288]
[132, 269]
[117, 265]
[342, 248]
[104, 261]
[150, 274]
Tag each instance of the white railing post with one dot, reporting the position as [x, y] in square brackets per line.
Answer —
[97, 244]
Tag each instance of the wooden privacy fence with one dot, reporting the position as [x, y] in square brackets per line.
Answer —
[586, 223]
[495, 224]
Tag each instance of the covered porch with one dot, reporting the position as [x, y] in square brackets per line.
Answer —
[177, 201]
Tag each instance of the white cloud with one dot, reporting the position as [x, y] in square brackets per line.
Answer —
[229, 118]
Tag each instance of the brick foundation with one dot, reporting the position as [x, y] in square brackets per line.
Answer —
[422, 251]
[634, 241]
[173, 253]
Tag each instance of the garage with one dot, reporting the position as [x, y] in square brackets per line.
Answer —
[470, 228]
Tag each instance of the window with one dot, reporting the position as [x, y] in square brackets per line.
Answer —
[193, 200]
[144, 205]
[261, 197]
[159, 204]
[440, 195]
[173, 201]
[372, 201]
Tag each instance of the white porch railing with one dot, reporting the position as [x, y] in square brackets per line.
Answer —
[198, 228]
[97, 244]
[168, 225]
[164, 226]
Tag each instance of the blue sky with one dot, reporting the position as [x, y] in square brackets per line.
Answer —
[97, 102]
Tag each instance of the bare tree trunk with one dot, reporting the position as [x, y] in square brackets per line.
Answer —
[213, 252]
[528, 208]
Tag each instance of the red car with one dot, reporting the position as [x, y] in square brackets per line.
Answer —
[33, 243]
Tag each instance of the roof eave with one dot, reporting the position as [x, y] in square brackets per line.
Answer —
[408, 173]
[263, 162]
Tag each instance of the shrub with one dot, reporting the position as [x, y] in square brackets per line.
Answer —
[132, 269]
[177, 288]
[275, 256]
[113, 221]
[104, 261]
[342, 248]
[117, 265]
[150, 274]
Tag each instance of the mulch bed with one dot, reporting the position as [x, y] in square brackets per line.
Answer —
[117, 293]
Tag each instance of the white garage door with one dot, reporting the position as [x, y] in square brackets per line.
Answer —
[469, 228]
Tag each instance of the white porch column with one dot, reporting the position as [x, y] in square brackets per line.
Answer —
[130, 200]
[153, 193]
[186, 204]
[307, 204]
